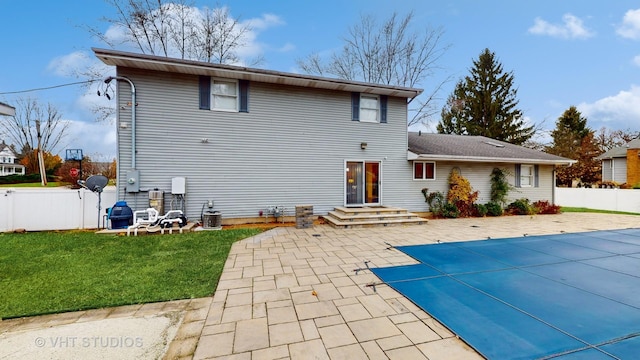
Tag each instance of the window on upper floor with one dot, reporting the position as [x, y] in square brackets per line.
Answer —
[368, 108]
[224, 94]
[424, 170]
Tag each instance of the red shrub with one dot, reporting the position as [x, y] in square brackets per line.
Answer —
[544, 207]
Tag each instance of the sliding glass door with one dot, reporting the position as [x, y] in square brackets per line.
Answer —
[362, 185]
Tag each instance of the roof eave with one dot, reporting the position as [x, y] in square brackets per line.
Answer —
[7, 110]
[454, 158]
[157, 63]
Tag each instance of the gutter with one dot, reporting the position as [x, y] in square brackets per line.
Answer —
[414, 156]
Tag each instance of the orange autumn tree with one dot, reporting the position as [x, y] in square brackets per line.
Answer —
[461, 193]
[30, 162]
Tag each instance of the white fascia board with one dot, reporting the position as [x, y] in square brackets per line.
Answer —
[491, 159]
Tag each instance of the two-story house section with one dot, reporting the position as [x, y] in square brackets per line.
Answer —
[253, 139]
[8, 164]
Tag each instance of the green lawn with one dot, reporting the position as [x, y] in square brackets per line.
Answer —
[580, 209]
[51, 272]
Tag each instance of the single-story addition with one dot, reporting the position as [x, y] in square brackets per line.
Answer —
[8, 164]
[248, 141]
[530, 172]
[622, 163]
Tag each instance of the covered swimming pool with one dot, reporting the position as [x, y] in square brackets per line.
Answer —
[564, 296]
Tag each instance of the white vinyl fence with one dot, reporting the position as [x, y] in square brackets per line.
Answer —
[37, 209]
[627, 200]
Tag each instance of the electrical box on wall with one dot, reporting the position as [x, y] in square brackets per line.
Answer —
[178, 185]
[133, 181]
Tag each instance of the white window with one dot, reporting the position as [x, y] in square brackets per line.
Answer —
[526, 175]
[424, 170]
[224, 95]
[369, 108]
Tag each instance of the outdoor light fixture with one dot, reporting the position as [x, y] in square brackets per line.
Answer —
[363, 145]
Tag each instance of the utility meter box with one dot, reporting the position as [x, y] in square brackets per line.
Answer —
[133, 181]
[178, 186]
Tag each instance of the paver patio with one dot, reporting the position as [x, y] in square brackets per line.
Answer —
[295, 294]
[310, 302]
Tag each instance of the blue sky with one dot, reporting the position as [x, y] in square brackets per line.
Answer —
[562, 53]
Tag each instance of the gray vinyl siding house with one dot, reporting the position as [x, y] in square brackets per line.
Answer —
[614, 169]
[250, 140]
[293, 140]
[530, 172]
[618, 161]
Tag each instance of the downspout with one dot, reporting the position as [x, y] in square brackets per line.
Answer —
[555, 184]
[133, 116]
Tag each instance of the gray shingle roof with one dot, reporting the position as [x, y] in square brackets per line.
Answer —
[427, 146]
[620, 151]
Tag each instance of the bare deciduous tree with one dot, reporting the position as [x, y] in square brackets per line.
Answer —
[218, 36]
[175, 29]
[389, 53]
[21, 129]
[607, 139]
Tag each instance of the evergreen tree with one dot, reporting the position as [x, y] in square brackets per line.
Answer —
[571, 128]
[573, 139]
[484, 103]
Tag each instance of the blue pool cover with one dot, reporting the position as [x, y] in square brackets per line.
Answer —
[565, 296]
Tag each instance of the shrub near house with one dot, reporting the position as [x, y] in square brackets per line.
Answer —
[460, 200]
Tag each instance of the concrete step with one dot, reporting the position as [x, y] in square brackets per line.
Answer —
[347, 217]
[368, 216]
[373, 222]
[370, 210]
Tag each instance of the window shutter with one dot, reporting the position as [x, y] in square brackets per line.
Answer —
[517, 175]
[244, 96]
[536, 180]
[205, 92]
[355, 106]
[383, 109]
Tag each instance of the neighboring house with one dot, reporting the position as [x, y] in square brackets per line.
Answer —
[7, 110]
[530, 172]
[8, 164]
[250, 140]
[622, 164]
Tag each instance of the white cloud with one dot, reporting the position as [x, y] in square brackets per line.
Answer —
[571, 28]
[68, 65]
[97, 140]
[265, 22]
[636, 60]
[620, 111]
[287, 47]
[630, 28]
